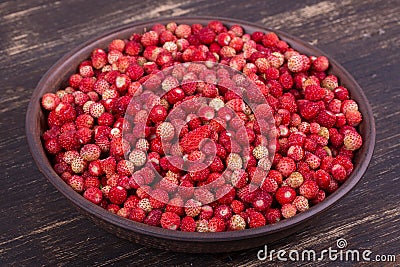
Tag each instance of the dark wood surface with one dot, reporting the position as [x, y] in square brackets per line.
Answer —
[38, 226]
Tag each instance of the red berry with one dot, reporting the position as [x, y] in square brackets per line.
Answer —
[285, 195]
[117, 195]
[170, 220]
[93, 194]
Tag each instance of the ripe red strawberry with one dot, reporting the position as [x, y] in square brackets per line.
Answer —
[137, 214]
[52, 146]
[339, 173]
[68, 140]
[321, 63]
[117, 195]
[158, 114]
[93, 194]
[188, 224]
[217, 165]
[170, 220]
[198, 172]
[153, 218]
[309, 189]
[326, 118]
[269, 185]
[192, 140]
[308, 109]
[262, 201]
[286, 166]
[236, 104]
[285, 195]
[135, 72]
[99, 58]
[255, 219]
[314, 92]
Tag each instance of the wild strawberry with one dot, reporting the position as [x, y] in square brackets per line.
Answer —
[93, 194]
[352, 140]
[90, 152]
[50, 101]
[308, 109]
[320, 63]
[217, 165]
[330, 82]
[309, 189]
[191, 140]
[285, 195]
[153, 218]
[183, 31]
[145, 205]
[137, 214]
[239, 178]
[86, 69]
[165, 131]
[326, 118]
[78, 165]
[236, 222]
[216, 225]
[198, 172]
[188, 224]
[170, 220]
[288, 210]
[262, 201]
[52, 146]
[149, 38]
[237, 206]
[286, 166]
[236, 104]
[273, 216]
[339, 173]
[295, 152]
[295, 180]
[301, 203]
[135, 72]
[312, 160]
[158, 114]
[260, 152]
[225, 194]
[117, 195]
[296, 63]
[255, 219]
[192, 208]
[76, 182]
[137, 157]
[353, 117]
[96, 109]
[314, 92]
[234, 161]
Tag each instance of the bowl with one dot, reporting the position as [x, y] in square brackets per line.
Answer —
[56, 77]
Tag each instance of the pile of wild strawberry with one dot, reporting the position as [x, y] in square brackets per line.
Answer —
[115, 161]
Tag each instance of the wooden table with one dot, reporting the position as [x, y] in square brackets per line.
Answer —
[38, 226]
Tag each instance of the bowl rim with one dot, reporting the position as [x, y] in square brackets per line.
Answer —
[38, 153]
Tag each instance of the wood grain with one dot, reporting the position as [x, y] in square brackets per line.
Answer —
[38, 226]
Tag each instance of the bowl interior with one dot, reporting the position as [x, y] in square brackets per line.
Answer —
[56, 78]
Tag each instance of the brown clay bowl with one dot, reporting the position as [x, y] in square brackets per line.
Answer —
[56, 77]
